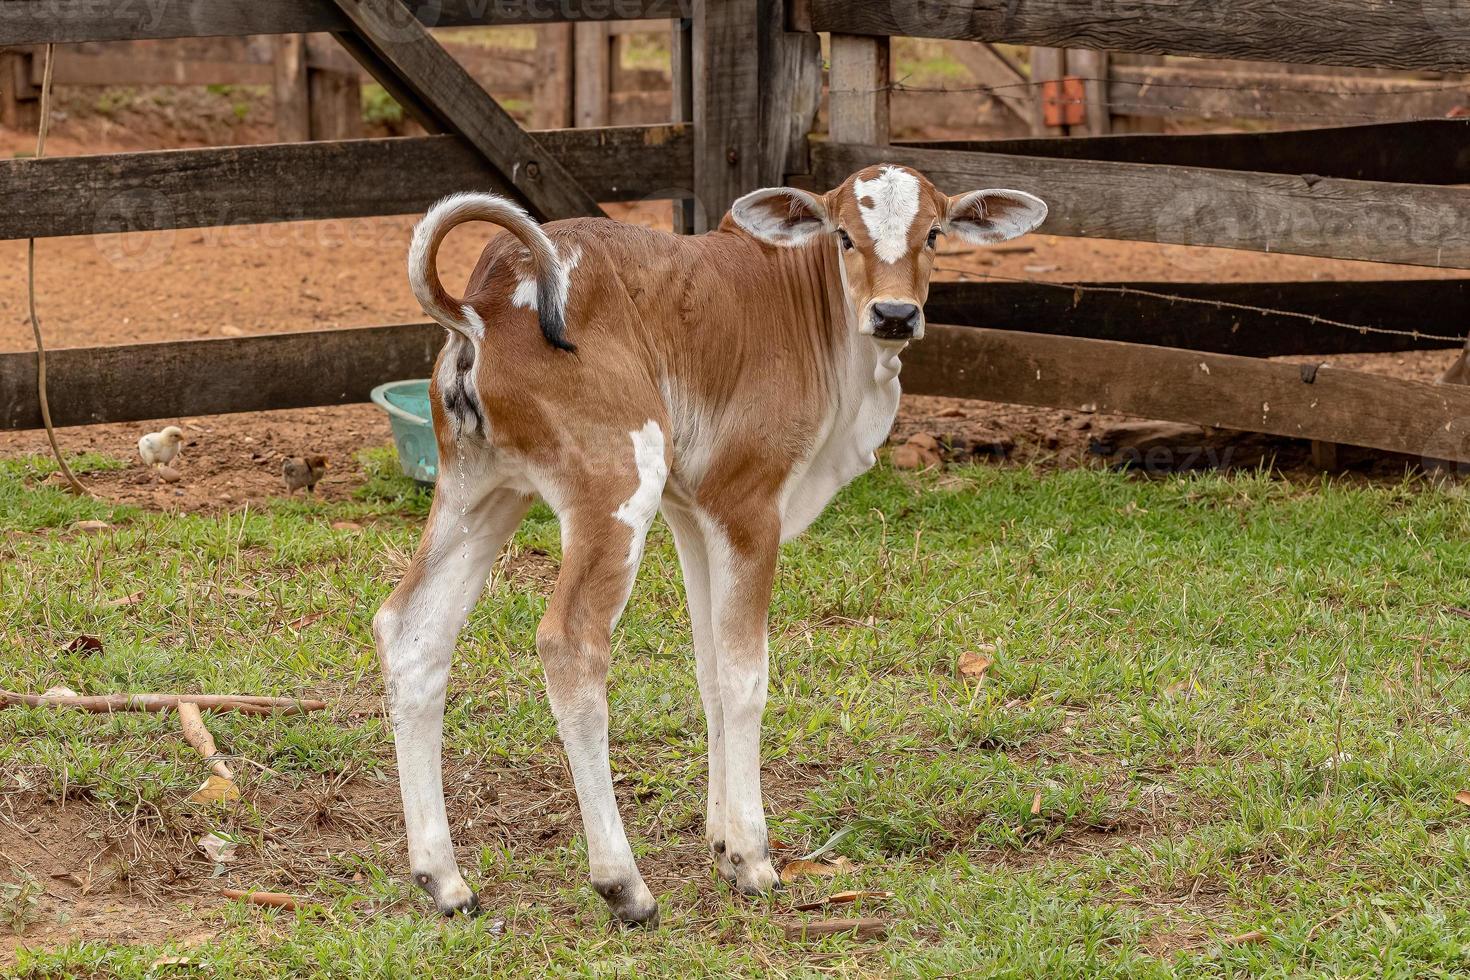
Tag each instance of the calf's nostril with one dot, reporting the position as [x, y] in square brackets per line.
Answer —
[893, 317]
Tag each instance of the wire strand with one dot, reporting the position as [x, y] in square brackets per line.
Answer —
[73, 483]
[1078, 287]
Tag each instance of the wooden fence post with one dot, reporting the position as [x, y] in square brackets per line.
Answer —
[857, 99]
[592, 73]
[681, 70]
[1048, 65]
[1092, 67]
[552, 107]
[292, 91]
[727, 87]
[20, 107]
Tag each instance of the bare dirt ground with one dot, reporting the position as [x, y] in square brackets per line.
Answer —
[256, 279]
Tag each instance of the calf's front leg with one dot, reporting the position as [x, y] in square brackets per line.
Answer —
[742, 552]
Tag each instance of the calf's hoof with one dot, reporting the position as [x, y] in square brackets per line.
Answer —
[450, 897]
[632, 904]
[756, 877]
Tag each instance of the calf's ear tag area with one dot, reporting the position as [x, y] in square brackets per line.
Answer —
[997, 215]
[781, 216]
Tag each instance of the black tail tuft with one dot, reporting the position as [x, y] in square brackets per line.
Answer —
[552, 317]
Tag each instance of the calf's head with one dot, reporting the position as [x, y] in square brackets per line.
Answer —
[885, 222]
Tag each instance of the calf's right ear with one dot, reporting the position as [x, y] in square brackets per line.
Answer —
[781, 215]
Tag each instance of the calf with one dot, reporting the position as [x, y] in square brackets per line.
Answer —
[733, 381]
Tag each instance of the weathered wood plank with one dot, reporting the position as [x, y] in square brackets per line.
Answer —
[1428, 306]
[442, 85]
[727, 124]
[790, 93]
[1330, 404]
[1277, 96]
[305, 181]
[1432, 35]
[39, 21]
[331, 367]
[72, 68]
[205, 377]
[857, 95]
[291, 89]
[1425, 152]
[591, 74]
[1409, 224]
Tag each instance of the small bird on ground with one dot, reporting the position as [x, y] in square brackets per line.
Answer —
[302, 473]
[161, 448]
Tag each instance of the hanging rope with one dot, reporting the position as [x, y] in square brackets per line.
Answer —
[71, 478]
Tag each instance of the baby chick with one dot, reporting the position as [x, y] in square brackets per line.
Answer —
[160, 448]
[303, 473]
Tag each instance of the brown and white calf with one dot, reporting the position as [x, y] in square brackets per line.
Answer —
[733, 381]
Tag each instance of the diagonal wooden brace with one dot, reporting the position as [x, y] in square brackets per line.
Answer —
[393, 46]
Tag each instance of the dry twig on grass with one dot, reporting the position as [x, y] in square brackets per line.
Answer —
[274, 900]
[109, 703]
[192, 723]
[860, 928]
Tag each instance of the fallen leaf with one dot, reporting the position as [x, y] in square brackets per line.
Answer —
[1463, 797]
[216, 789]
[127, 600]
[170, 961]
[302, 622]
[974, 663]
[802, 868]
[1254, 936]
[91, 527]
[85, 642]
[1036, 804]
[843, 898]
[216, 848]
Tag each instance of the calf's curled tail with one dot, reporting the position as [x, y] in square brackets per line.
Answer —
[546, 266]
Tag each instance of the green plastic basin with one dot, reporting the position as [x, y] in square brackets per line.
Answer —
[407, 405]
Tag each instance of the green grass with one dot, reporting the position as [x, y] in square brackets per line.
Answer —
[1238, 698]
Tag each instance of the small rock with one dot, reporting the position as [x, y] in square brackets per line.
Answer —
[91, 527]
[923, 440]
[231, 331]
[168, 474]
[346, 526]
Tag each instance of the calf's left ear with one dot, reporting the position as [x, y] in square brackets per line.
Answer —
[987, 217]
[781, 215]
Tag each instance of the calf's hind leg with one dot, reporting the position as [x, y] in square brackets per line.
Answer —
[415, 632]
[602, 543]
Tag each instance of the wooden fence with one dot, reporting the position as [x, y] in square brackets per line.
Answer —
[746, 84]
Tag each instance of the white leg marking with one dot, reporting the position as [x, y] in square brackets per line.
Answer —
[744, 667]
[690, 543]
[638, 510]
[894, 197]
[415, 633]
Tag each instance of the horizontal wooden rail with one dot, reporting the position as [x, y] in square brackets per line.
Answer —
[1431, 35]
[1422, 152]
[331, 367]
[301, 181]
[1326, 404]
[1407, 224]
[1140, 316]
[176, 379]
[40, 21]
[1174, 93]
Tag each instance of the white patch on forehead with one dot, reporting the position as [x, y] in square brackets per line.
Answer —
[894, 194]
[638, 510]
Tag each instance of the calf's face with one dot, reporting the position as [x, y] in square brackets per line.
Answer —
[885, 222]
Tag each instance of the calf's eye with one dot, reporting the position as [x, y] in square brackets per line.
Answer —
[933, 237]
[845, 239]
